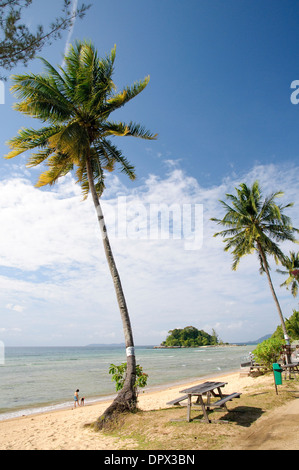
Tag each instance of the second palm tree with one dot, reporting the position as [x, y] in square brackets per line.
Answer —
[254, 224]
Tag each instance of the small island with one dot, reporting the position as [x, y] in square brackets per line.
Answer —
[189, 337]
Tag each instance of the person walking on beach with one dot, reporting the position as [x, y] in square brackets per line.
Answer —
[76, 397]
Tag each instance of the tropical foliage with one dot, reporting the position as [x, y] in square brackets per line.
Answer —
[268, 351]
[76, 101]
[189, 337]
[119, 373]
[291, 264]
[292, 326]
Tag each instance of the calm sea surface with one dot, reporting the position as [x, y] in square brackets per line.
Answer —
[36, 379]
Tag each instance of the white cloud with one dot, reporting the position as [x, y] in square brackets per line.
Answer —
[53, 264]
[16, 308]
[40, 228]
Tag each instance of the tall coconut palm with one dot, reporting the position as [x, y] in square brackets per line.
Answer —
[256, 225]
[76, 102]
[291, 263]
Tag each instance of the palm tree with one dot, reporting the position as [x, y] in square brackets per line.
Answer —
[256, 225]
[75, 102]
[291, 263]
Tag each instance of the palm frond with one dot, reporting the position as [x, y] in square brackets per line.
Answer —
[136, 130]
[71, 140]
[29, 139]
[41, 98]
[114, 154]
[291, 264]
[123, 97]
[37, 158]
[59, 165]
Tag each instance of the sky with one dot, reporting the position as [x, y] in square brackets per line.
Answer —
[220, 98]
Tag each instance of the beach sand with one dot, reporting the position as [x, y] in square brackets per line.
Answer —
[64, 429]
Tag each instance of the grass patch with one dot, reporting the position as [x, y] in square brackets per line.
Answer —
[167, 429]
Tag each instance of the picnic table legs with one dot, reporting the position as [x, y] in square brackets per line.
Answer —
[189, 408]
[204, 410]
[200, 400]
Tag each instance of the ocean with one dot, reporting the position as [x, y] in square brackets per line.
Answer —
[38, 379]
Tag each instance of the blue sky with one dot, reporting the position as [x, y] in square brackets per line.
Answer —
[219, 98]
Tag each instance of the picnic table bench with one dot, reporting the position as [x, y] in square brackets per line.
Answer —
[207, 389]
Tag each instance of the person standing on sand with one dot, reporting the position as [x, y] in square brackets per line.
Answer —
[76, 397]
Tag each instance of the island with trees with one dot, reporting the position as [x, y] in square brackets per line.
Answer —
[189, 337]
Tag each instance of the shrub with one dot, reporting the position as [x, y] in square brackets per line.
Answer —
[119, 375]
[268, 351]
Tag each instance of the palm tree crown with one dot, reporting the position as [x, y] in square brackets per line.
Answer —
[253, 223]
[76, 102]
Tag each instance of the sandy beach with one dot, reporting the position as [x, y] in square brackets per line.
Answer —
[64, 429]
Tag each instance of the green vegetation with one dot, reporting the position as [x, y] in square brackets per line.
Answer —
[291, 263]
[269, 350]
[292, 326]
[189, 337]
[119, 375]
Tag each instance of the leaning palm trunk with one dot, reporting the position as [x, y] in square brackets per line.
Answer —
[126, 398]
[263, 256]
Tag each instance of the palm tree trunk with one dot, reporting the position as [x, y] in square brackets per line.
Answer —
[265, 264]
[127, 397]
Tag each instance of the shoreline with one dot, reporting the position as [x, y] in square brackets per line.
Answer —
[36, 410]
[64, 429]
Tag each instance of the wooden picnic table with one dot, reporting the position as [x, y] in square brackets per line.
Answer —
[292, 367]
[209, 389]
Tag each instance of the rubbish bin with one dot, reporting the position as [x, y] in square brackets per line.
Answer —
[277, 373]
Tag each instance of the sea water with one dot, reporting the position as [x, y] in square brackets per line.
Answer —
[37, 379]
